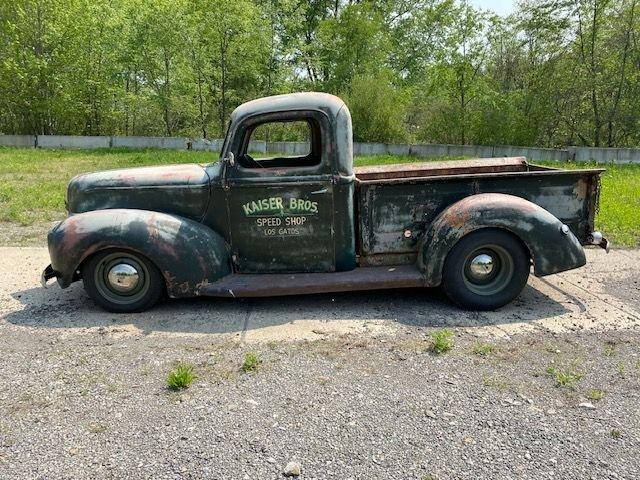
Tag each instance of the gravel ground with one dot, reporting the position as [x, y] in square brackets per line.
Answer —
[347, 385]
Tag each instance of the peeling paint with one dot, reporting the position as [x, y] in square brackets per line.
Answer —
[183, 250]
[551, 250]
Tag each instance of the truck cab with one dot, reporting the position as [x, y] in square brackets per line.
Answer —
[308, 222]
[290, 213]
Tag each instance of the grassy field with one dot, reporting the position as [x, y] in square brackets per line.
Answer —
[33, 182]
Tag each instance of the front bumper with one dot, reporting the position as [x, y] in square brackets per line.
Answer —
[47, 274]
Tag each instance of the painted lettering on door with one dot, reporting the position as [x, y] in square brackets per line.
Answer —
[278, 216]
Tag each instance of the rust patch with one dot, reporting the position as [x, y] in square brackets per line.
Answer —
[430, 169]
[581, 190]
[154, 225]
[456, 216]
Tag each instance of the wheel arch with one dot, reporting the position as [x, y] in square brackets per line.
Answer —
[188, 254]
[551, 246]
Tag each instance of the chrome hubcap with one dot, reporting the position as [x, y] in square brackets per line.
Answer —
[481, 267]
[488, 270]
[123, 278]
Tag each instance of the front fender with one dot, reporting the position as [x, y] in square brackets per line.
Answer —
[188, 254]
[551, 249]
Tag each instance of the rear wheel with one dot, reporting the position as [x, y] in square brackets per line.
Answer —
[120, 281]
[486, 270]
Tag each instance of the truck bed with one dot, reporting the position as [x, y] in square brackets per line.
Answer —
[394, 198]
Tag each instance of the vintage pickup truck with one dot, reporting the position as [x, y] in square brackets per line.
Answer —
[309, 223]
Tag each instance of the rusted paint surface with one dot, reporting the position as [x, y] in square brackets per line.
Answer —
[551, 250]
[431, 169]
[388, 259]
[188, 254]
[389, 207]
[308, 222]
[276, 237]
[179, 189]
[366, 278]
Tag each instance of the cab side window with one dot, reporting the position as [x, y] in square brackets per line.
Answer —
[297, 144]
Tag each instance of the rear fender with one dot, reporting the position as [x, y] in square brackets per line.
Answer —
[188, 254]
[551, 245]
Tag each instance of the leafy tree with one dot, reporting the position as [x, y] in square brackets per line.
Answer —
[556, 72]
[377, 108]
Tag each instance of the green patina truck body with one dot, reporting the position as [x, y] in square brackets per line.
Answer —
[311, 223]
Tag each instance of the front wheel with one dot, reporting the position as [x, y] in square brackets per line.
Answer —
[486, 270]
[122, 282]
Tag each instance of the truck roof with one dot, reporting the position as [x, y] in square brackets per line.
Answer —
[335, 109]
[290, 101]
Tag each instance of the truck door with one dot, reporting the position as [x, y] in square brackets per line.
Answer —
[280, 206]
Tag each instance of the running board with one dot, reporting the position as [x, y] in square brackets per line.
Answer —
[274, 284]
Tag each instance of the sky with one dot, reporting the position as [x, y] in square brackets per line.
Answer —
[501, 7]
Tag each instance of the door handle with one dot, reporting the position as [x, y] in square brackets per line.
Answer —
[317, 192]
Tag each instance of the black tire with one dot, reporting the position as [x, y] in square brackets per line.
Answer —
[148, 289]
[475, 283]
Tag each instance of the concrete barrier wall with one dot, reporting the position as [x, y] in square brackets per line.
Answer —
[604, 155]
[203, 144]
[577, 154]
[72, 141]
[259, 146]
[288, 148]
[17, 140]
[167, 143]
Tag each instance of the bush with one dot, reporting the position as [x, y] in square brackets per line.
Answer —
[377, 109]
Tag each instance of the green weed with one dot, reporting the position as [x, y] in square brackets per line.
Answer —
[441, 341]
[251, 362]
[595, 394]
[483, 349]
[181, 377]
[564, 378]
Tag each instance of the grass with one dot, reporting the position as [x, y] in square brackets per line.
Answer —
[564, 378]
[496, 382]
[181, 377]
[595, 394]
[33, 183]
[441, 341]
[619, 205]
[370, 160]
[483, 349]
[251, 362]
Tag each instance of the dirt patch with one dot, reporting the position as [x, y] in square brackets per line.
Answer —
[344, 384]
[12, 234]
[601, 296]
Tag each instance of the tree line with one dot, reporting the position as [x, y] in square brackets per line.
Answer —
[554, 73]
